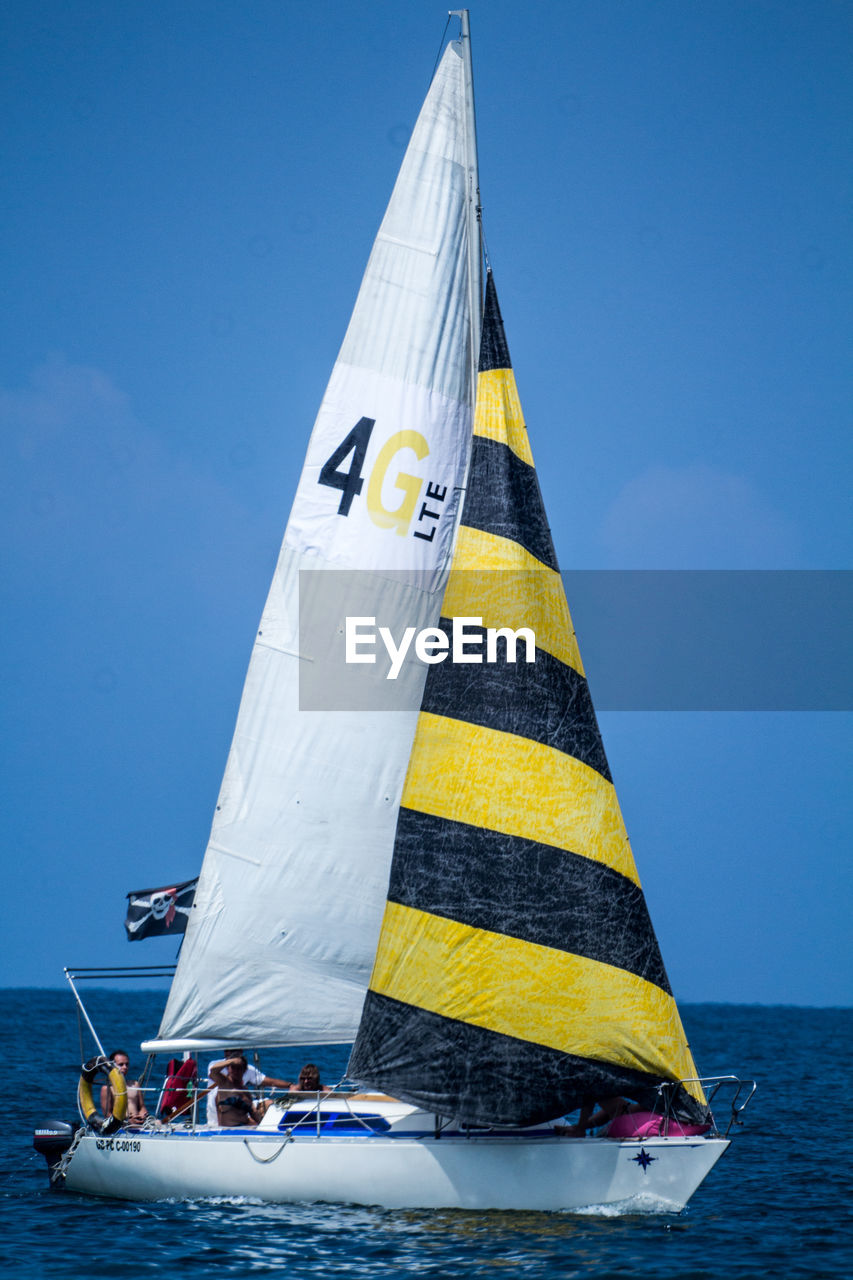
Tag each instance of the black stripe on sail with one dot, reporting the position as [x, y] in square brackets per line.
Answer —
[494, 352]
[469, 1069]
[546, 700]
[503, 498]
[523, 889]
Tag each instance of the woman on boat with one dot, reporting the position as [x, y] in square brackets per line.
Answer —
[234, 1104]
[250, 1075]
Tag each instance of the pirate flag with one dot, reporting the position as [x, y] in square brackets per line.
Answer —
[159, 911]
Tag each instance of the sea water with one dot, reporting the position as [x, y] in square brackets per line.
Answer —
[778, 1203]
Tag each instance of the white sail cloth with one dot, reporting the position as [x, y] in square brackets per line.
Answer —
[281, 940]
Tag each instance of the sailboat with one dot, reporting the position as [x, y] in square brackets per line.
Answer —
[417, 847]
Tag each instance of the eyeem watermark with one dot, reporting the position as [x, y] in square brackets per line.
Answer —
[668, 640]
[434, 645]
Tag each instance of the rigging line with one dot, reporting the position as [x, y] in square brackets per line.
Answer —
[485, 245]
[80, 1033]
[440, 48]
[59, 1170]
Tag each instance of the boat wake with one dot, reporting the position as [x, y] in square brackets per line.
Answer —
[641, 1204]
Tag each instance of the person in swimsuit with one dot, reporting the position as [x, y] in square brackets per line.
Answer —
[234, 1104]
[232, 1084]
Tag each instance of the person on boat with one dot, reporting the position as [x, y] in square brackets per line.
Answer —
[137, 1112]
[234, 1104]
[594, 1114]
[309, 1080]
[236, 1084]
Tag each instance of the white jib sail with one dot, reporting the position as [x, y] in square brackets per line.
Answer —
[281, 941]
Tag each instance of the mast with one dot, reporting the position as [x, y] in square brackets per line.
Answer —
[475, 256]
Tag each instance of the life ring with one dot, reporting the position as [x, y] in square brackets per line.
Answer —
[86, 1102]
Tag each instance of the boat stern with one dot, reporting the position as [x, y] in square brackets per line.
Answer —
[52, 1139]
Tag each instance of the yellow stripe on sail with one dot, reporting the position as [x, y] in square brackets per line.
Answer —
[487, 778]
[495, 579]
[498, 412]
[533, 993]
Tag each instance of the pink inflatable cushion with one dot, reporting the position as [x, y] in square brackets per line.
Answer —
[645, 1124]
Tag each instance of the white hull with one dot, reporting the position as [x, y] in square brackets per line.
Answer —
[483, 1172]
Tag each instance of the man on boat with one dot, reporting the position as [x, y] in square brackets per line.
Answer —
[137, 1112]
[235, 1075]
[309, 1080]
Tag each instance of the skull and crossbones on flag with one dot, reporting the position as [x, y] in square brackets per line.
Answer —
[159, 911]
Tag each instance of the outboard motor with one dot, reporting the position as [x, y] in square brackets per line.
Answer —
[52, 1139]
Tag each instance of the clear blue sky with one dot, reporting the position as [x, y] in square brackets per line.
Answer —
[191, 191]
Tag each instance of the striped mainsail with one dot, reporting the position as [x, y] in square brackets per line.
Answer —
[517, 972]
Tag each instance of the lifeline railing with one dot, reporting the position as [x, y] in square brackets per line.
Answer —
[76, 973]
[82, 973]
[712, 1087]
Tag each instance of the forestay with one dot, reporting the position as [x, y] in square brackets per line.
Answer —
[517, 972]
[283, 933]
